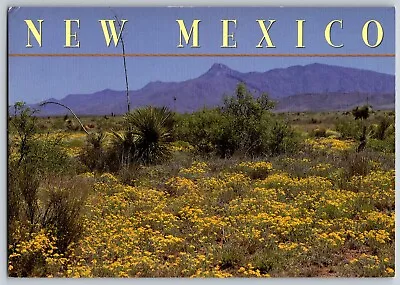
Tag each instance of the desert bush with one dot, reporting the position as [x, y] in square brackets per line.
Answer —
[230, 256]
[280, 138]
[355, 164]
[48, 221]
[349, 129]
[379, 136]
[258, 131]
[129, 174]
[319, 133]
[36, 251]
[208, 131]
[33, 159]
[256, 169]
[93, 154]
[226, 139]
[332, 134]
[36, 160]
[63, 202]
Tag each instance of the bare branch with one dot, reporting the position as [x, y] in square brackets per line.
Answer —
[62, 105]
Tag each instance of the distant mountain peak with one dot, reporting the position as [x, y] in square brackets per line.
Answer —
[219, 69]
[219, 66]
[153, 83]
[107, 90]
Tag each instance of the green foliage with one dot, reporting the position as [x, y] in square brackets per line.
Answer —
[243, 105]
[24, 125]
[32, 160]
[349, 129]
[230, 257]
[249, 118]
[244, 125]
[382, 129]
[280, 138]
[253, 216]
[209, 132]
[384, 146]
[378, 132]
[153, 128]
[356, 164]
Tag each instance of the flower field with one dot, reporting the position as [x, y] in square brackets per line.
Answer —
[230, 219]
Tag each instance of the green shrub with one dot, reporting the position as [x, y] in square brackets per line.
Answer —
[386, 146]
[244, 125]
[93, 154]
[319, 133]
[332, 134]
[280, 138]
[349, 129]
[208, 131]
[249, 118]
[230, 257]
[361, 112]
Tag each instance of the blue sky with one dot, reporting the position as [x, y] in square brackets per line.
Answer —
[154, 30]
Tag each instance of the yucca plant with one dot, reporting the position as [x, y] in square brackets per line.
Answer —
[122, 151]
[145, 140]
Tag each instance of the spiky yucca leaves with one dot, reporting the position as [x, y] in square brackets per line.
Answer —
[122, 151]
[152, 128]
[148, 133]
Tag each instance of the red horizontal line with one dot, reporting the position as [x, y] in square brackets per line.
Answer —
[199, 55]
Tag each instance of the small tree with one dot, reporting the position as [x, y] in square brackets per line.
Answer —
[361, 112]
[246, 114]
[243, 105]
[25, 126]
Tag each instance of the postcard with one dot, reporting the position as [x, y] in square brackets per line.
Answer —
[201, 142]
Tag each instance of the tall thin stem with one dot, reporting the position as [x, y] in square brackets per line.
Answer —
[125, 70]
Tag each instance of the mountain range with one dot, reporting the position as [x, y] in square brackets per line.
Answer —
[313, 87]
